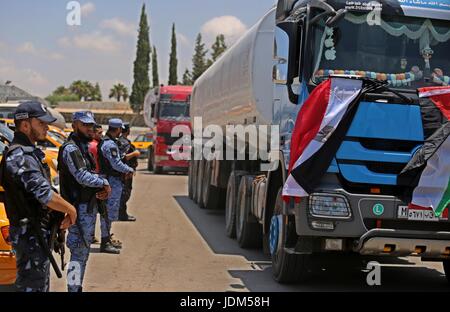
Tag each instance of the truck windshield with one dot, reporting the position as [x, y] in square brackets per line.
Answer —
[174, 109]
[408, 52]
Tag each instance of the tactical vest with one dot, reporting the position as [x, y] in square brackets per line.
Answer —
[105, 166]
[70, 189]
[126, 147]
[20, 204]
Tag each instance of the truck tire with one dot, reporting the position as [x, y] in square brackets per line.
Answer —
[194, 179]
[287, 267]
[150, 160]
[446, 265]
[191, 179]
[210, 196]
[199, 183]
[158, 170]
[248, 229]
[230, 202]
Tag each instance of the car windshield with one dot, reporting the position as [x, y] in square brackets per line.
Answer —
[143, 138]
[2, 147]
[406, 52]
[56, 136]
[7, 112]
[174, 109]
[6, 132]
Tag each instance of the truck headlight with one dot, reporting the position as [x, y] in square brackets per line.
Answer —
[329, 206]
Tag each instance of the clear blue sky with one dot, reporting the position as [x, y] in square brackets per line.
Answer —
[39, 51]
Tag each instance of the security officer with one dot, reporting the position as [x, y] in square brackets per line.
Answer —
[130, 157]
[81, 187]
[113, 167]
[30, 200]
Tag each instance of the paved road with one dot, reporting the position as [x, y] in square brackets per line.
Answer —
[176, 246]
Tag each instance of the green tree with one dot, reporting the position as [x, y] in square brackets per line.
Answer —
[61, 94]
[141, 83]
[83, 89]
[118, 91]
[61, 90]
[187, 78]
[199, 64]
[155, 75]
[173, 63]
[96, 93]
[217, 49]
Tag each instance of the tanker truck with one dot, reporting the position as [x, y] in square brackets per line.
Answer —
[358, 205]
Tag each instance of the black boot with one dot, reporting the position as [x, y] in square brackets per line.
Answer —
[107, 247]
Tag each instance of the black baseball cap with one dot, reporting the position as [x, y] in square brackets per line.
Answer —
[33, 109]
[126, 126]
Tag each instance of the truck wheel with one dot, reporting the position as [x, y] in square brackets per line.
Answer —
[230, 202]
[248, 230]
[446, 265]
[150, 160]
[209, 193]
[191, 179]
[158, 170]
[287, 267]
[199, 183]
[194, 179]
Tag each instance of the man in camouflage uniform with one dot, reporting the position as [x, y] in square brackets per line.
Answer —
[130, 157]
[115, 170]
[82, 187]
[30, 201]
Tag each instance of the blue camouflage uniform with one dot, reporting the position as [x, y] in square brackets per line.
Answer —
[110, 157]
[74, 158]
[26, 180]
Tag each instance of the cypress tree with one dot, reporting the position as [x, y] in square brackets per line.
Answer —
[187, 78]
[173, 63]
[155, 68]
[141, 83]
[199, 64]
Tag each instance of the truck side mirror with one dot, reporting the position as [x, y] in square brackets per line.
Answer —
[152, 115]
[287, 54]
[284, 7]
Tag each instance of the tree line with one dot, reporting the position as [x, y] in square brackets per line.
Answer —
[146, 55]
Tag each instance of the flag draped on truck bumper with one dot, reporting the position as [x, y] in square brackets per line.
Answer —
[321, 126]
[427, 175]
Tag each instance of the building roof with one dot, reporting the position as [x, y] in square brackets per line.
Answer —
[13, 93]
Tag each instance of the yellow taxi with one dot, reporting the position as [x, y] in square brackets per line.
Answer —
[55, 136]
[142, 142]
[7, 258]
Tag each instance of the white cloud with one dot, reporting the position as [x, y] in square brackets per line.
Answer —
[95, 41]
[119, 26]
[29, 48]
[28, 79]
[184, 40]
[230, 26]
[87, 9]
[64, 42]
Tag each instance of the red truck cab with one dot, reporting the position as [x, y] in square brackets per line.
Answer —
[169, 109]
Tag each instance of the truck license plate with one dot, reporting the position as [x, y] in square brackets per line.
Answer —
[416, 214]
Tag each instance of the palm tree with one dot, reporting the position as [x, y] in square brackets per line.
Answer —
[118, 91]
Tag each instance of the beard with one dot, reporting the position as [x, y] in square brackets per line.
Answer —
[36, 135]
[84, 137]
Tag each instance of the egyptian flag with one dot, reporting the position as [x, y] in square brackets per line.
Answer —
[427, 175]
[321, 126]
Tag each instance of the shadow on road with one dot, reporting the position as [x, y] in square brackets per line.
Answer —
[340, 273]
[7, 288]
